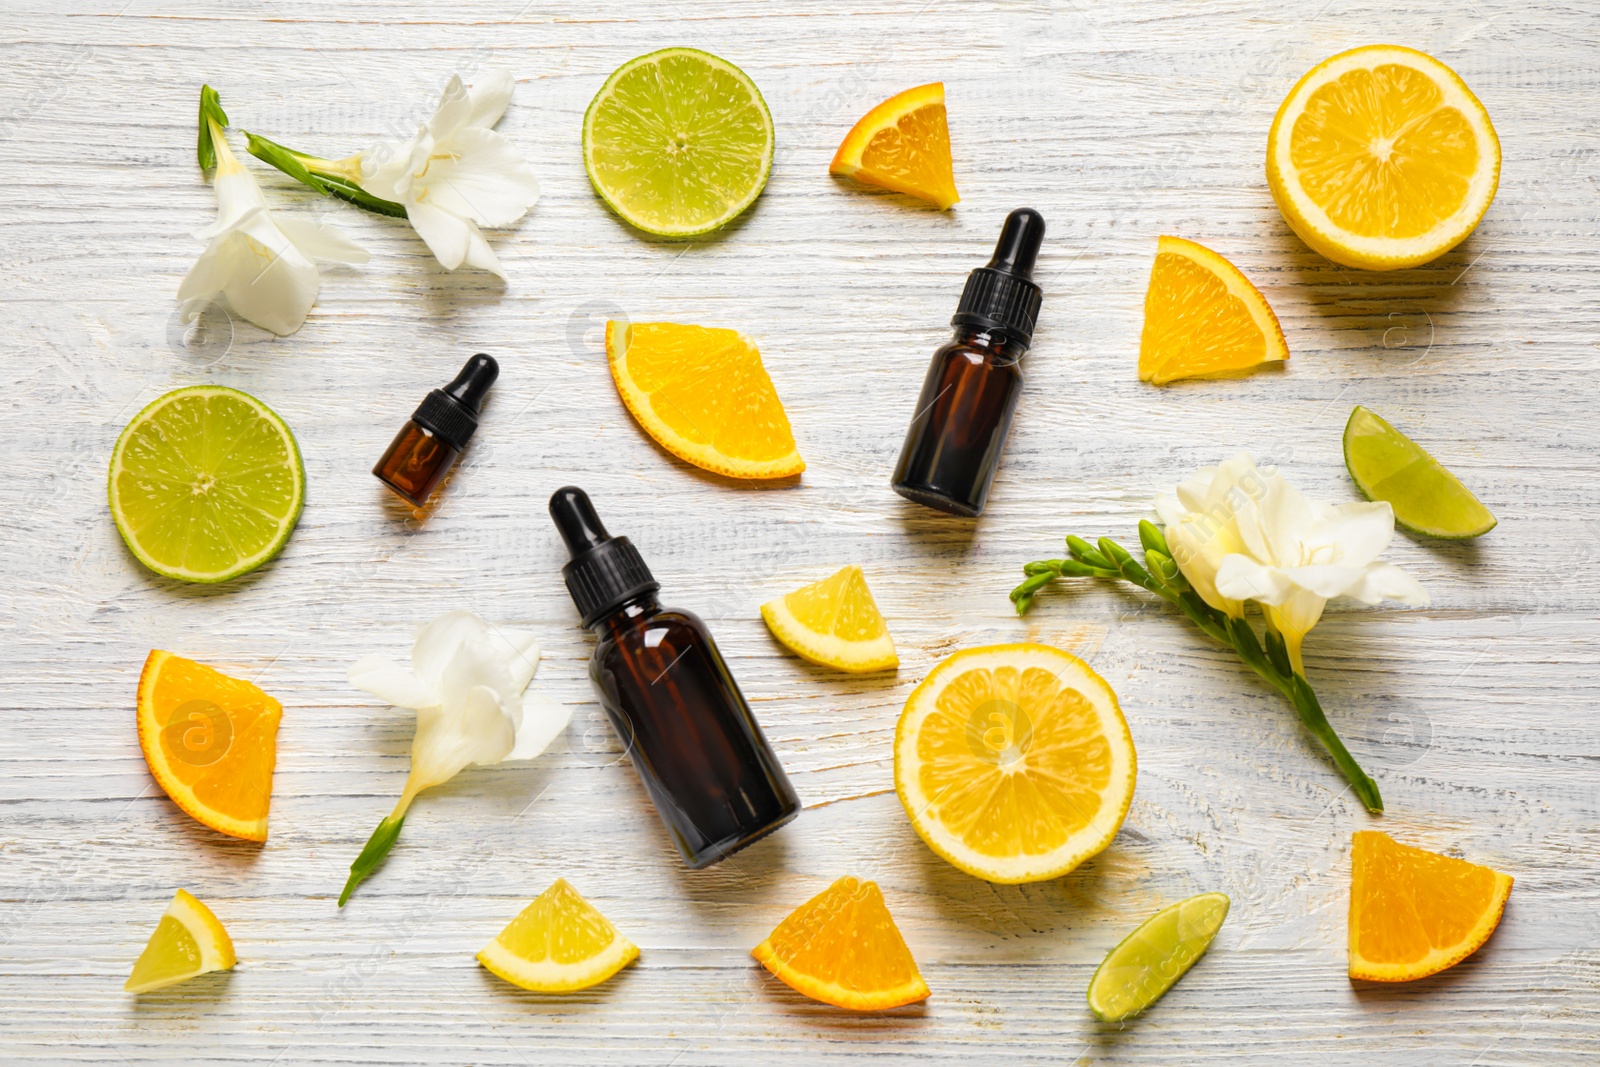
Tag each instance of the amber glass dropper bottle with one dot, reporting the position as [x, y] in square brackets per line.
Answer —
[426, 447]
[952, 449]
[715, 781]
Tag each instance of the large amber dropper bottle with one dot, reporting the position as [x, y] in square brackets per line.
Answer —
[714, 779]
[952, 449]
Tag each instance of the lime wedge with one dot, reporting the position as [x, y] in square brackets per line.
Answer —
[1147, 963]
[206, 484]
[678, 142]
[1427, 499]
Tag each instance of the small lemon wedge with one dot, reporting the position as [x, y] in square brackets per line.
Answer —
[560, 943]
[834, 622]
[187, 941]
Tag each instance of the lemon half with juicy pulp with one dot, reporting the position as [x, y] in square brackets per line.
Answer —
[1382, 158]
[1014, 762]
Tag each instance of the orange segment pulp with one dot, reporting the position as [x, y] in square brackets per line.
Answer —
[704, 395]
[903, 144]
[842, 947]
[1203, 317]
[210, 741]
[1414, 913]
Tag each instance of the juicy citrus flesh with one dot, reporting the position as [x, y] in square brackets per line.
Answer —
[210, 741]
[1014, 762]
[842, 947]
[206, 484]
[704, 395]
[679, 142]
[903, 144]
[1381, 157]
[1413, 912]
[560, 943]
[1427, 499]
[187, 941]
[834, 622]
[1149, 961]
[1202, 317]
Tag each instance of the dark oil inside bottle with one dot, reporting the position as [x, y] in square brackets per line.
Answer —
[415, 464]
[690, 733]
[952, 449]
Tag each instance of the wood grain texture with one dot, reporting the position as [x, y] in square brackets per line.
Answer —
[1119, 122]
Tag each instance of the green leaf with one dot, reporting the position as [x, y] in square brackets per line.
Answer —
[210, 111]
[378, 846]
[298, 165]
[1245, 643]
[1278, 653]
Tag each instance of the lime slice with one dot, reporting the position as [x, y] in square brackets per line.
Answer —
[206, 484]
[1147, 963]
[678, 142]
[1427, 499]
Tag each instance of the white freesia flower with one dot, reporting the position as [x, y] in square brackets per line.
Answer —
[264, 264]
[467, 683]
[1250, 535]
[457, 174]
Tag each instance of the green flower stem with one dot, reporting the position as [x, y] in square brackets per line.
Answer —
[1271, 661]
[330, 177]
[378, 846]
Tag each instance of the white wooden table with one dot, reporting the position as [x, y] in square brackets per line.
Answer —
[1119, 122]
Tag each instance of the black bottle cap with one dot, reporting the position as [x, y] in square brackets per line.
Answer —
[605, 571]
[1002, 295]
[451, 413]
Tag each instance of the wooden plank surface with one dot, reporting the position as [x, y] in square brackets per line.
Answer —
[1119, 122]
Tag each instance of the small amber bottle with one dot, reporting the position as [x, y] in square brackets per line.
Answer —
[715, 781]
[970, 394]
[425, 449]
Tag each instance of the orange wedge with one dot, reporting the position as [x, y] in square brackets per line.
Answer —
[1202, 317]
[210, 741]
[842, 947]
[1414, 913]
[703, 394]
[903, 144]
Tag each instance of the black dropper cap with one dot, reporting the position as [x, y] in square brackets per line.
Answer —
[451, 413]
[1002, 295]
[605, 572]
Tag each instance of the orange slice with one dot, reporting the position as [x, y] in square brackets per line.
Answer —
[1414, 913]
[842, 947]
[903, 144]
[210, 741]
[703, 394]
[1202, 317]
[1382, 158]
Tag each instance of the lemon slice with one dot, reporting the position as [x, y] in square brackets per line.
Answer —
[704, 395]
[678, 142]
[187, 941]
[834, 622]
[1149, 961]
[1427, 499]
[1382, 158]
[559, 944]
[206, 484]
[1014, 762]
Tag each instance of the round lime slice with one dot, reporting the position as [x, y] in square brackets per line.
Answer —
[206, 484]
[1148, 962]
[678, 142]
[1427, 499]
